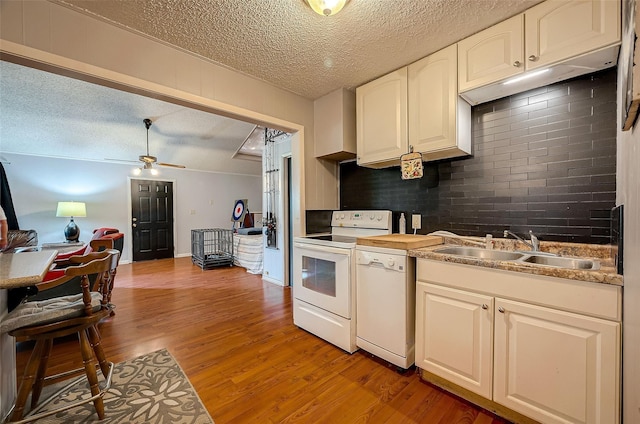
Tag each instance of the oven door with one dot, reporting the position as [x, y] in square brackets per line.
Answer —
[322, 277]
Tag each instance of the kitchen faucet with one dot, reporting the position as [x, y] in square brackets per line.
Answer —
[534, 245]
[487, 242]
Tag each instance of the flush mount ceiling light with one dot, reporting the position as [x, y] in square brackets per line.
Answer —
[326, 7]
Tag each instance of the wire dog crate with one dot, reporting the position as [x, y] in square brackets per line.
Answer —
[212, 247]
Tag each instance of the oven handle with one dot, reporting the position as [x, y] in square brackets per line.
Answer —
[326, 249]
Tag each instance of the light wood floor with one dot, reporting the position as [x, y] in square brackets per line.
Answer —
[233, 335]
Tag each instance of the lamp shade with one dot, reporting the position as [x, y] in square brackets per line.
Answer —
[77, 209]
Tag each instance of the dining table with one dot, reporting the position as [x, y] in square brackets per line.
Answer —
[22, 269]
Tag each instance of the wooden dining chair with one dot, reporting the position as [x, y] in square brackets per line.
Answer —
[44, 321]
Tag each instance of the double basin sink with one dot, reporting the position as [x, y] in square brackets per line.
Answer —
[537, 258]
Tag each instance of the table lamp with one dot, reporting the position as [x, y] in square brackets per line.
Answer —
[71, 209]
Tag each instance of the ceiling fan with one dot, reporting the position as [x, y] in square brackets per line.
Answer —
[149, 160]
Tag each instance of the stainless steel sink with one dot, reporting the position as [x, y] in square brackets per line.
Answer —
[537, 258]
[476, 252]
[559, 262]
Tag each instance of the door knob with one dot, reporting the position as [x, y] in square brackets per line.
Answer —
[501, 310]
[533, 58]
[484, 306]
[517, 64]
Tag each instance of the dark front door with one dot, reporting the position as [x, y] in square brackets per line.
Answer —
[152, 219]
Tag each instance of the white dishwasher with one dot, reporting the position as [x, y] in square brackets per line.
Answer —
[385, 304]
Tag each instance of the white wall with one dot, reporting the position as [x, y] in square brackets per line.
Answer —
[38, 183]
[628, 194]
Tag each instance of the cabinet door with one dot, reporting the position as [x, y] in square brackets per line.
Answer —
[381, 118]
[554, 366]
[334, 125]
[454, 336]
[435, 108]
[491, 55]
[559, 30]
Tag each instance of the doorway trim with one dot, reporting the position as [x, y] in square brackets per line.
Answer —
[38, 59]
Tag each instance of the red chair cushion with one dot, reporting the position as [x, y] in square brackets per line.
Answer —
[98, 233]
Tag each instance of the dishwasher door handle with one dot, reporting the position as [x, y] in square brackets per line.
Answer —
[373, 262]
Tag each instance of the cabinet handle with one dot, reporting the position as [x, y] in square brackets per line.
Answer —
[501, 310]
[533, 58]
[517, 64]
[484, 306]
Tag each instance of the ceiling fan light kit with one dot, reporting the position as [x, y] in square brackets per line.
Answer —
[326, 7]
[148, 160]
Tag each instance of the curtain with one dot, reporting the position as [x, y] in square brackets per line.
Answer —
[6, 201]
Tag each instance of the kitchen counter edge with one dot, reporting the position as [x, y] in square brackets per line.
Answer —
[606, 274]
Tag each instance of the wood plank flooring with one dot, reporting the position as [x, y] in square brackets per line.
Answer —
[233, 335]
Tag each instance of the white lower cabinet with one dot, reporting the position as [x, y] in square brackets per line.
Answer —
[556, 366]
[455, 329]
[545, 363]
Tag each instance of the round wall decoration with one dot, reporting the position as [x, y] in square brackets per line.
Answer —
[239, 210]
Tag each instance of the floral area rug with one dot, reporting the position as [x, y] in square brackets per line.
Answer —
[150, 389]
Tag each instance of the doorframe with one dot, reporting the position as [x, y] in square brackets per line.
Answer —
[130, 205]
[84, 71]
[286, 165]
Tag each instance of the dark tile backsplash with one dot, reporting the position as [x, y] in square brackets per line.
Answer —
[617, 231]
[318, 221]
[543, 160]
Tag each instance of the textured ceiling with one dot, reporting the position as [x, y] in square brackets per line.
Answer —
[282, 42]
[51, 115]
[285, 43]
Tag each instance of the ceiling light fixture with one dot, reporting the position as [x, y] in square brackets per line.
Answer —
[326, 7]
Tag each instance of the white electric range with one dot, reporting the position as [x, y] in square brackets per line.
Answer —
[324, 280]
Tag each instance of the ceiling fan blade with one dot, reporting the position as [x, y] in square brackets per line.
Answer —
[122, 160]
[173, 165]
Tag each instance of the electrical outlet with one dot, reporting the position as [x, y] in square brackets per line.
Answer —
[416, 221]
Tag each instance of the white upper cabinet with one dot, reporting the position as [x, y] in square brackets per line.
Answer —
[568, 38]
[439, 120]
[416, 107]
[492, 55]
[558, 30]
[381, 124]
[334, 125]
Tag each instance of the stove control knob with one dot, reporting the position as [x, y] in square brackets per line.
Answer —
[371, 216]
[379, 217]
[391, 263]
[341, 216]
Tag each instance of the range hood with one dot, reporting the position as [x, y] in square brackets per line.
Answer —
[580, 65]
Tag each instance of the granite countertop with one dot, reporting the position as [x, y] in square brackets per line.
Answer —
[607, 274]
[25, 268]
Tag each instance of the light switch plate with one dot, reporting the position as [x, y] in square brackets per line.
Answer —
[416, 221]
